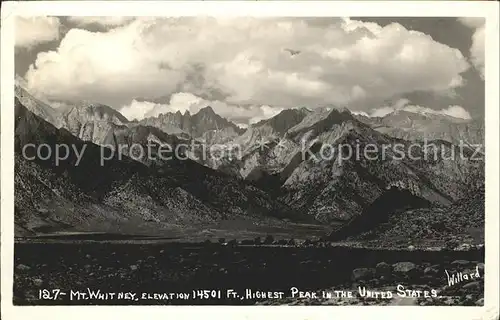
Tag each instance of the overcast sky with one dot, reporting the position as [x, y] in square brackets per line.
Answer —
[248, 68]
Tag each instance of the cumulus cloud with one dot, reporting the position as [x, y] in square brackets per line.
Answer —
[472, 22]
[247, 62]
[31, 31]
[103, 21]
[457, 112]
[404, 105]
[184, 101]
[264, 112]
[136, 110]
[477, 49]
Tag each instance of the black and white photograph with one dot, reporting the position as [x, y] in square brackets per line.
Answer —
[249, 160]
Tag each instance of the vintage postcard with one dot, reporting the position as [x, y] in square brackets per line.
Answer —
[322, 156]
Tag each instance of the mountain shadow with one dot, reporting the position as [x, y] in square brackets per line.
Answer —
[390, 202]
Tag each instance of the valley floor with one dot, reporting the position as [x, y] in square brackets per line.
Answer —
[149, 272]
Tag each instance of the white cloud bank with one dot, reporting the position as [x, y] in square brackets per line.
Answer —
[404, 105]
[477, 49]
[245, 61]
[31, 31]
[103, 21]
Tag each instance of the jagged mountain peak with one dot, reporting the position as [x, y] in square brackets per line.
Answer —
[321, 119]
[306, 110]
[195, 125]
[206, 119]
[101, 110]
[87, 111]
[208, 110]
[283, 121]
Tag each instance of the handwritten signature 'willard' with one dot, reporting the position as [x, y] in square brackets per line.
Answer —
[455, 278]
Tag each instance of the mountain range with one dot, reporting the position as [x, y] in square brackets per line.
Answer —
[420, 126]
[279, 170]
[107, 196]
[330, 189]
[202, 123]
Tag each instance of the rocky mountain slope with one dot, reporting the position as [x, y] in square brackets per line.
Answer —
[310, 169]
[36, 105]
[326, 165]
[92, 122]
[54, 195]
[462, 223]
[104, 125]
[99, 124]
[270, 129]
[240, 155]
[419, 126]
